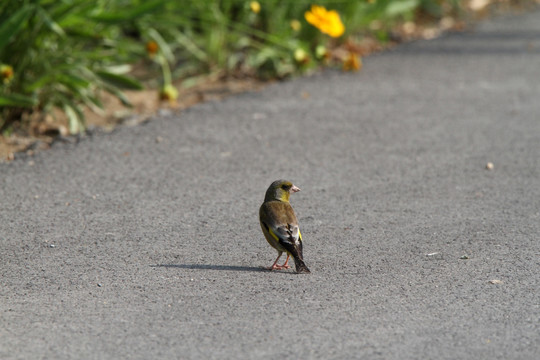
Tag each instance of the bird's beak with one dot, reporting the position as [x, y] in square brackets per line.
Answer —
[294, 189]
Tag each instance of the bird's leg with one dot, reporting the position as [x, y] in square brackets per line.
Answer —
[275, 265]
[285, 265]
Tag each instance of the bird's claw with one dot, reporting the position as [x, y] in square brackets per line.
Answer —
[279, 267]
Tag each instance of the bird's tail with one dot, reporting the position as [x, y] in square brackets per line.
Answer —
[300, 266]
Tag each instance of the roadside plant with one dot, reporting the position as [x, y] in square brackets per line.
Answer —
[61, 58]
[57, 61]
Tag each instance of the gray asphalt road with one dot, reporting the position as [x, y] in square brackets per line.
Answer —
[124, 246]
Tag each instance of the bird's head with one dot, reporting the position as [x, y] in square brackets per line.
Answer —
[280, 190]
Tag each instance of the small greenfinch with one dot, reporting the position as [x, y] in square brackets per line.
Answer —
[279, 225]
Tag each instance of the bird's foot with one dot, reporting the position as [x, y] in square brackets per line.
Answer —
[279, 267]
[286, 263]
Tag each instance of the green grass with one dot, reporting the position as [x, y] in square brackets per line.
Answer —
[66, 54]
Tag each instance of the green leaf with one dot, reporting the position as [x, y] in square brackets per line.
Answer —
[401, 7]
[163, 46]
[129, 14]
[72, 80]
[119, 81]
[14, 24]
[75, 122]
[118, 69]
[190, 46]
[17, 100]
[95, 104]
[70, 13]
[119, 94]
[51, 24]
[39, 83]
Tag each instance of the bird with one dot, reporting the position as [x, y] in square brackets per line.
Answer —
[280, 226]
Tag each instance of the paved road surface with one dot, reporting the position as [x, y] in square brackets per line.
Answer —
[124, 246]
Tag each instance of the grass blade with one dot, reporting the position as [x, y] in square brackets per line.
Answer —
[14, 24]
[129, 14]
[120, 81]
[17, 100]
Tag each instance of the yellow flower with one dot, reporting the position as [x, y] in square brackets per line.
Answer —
[353, 62]
[255, 7]
[296, 25]
[6, 73]
[328, 22]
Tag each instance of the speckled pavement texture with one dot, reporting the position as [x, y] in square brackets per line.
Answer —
[144, 243]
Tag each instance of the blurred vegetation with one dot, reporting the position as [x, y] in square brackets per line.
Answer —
[67, 54]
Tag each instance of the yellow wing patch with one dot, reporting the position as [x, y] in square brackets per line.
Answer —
[272, 234]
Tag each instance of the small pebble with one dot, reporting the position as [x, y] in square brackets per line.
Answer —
[52, 245]
[489, 166]
[464, 257]
[434, 256]
[495, 281]
[259, 116]
[165, 112]
[99, 285]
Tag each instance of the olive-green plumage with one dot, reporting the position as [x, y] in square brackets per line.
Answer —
[280, 226]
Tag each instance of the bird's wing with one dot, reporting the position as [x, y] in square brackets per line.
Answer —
[285, 233]
[280, 221]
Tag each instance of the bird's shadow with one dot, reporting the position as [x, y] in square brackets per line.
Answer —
[212, 267]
